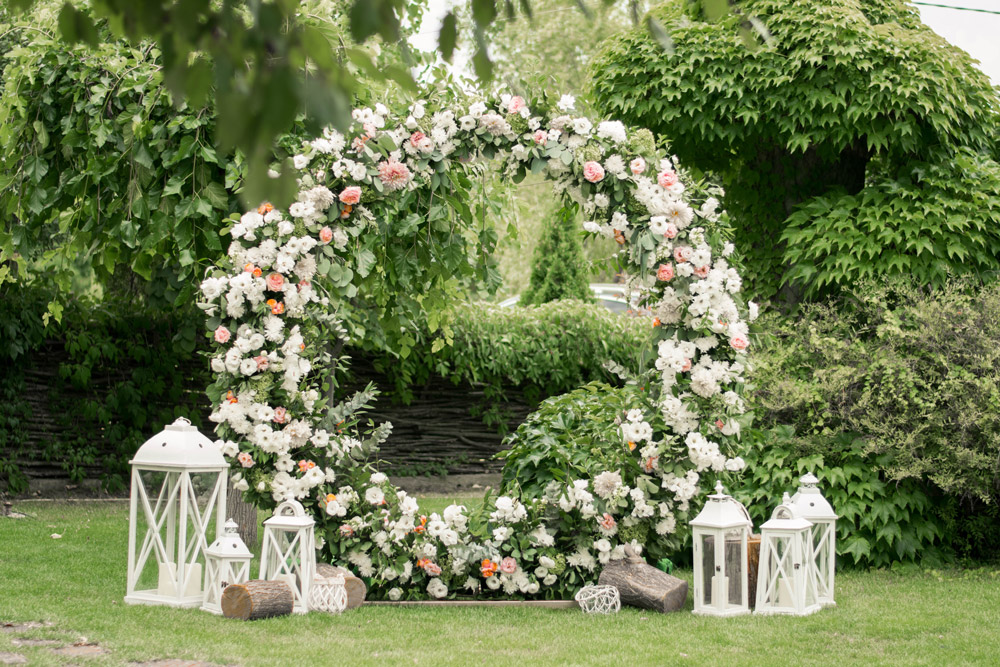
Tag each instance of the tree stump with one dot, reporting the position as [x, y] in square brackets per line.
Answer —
[642, 585]
[244, 514]
[257, 599]
[356, 589]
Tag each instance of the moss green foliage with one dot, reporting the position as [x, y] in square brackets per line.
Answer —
[102, 175]
[558, 270]
[542, 350]
[851, 101]
[916, 375]
[120, 374]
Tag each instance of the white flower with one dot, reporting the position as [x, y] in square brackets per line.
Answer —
[613, 130]
[607, 483]
[566, 103]
[378, 478]
[582, 126]
[602, 545]
[374, 495]
[615, 165]
[300, 161]
[736, 464]
[395, 594]
[500, 534]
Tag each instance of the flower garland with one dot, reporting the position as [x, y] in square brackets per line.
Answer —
[264, 300]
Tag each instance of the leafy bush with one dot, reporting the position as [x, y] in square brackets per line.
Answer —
[558, 271]
[915, 374]
[544, 350]
[835, 95]
[881, 522]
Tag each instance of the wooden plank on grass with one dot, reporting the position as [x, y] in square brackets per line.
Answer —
[547, 604]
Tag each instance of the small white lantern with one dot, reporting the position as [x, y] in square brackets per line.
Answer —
[227, 562]
[179, 481]
[810, 504]
[786, 582]
[289, 551]
[720, 533]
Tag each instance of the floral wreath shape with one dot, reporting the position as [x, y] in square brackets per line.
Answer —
[285, 443]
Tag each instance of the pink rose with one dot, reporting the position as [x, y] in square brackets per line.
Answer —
[370, 129]
[245, 460]
[432, 569]
[687, 366]
[393, 174]
[701, 271]
[667, 179]
[417, 137]
[508, 565]
[280, 415]
[222, 335]
[608, 522]
[671, 230]
[351, 195]
[275, 281]
[262, 362]
[326, 235]
[739, 342]
[593, 171]
[516, 104]
[682, 253]
[540, 137]
[665, 273]
[719, 424]
[346, 530]
[637, 166]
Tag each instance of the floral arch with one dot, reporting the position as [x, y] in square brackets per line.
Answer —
[265, 299]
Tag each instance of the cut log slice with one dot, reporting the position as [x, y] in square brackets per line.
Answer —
[257, 599]
[642, 585]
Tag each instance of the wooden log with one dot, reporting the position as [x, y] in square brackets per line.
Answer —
[642, 585]
[356, 589]
[257, 599]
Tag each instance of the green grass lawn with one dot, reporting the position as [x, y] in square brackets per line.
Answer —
[77, 583]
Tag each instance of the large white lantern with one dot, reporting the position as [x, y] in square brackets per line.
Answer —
[720, 533]
[810, 504]
[179, 482]
[289, 551]
[786, 581]
[227, 562]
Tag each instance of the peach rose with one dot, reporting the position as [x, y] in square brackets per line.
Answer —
[245, 460]
[671, 230]
[280, 415]
[222, 335]
[508, 565]
[608, 522]
[593, 171]
[275, 281]
[516, 104]
[667, 178]
[540, 137]
[665, 273]
[351, 195]
[682, 253]
[739, 342]
[637, 166]
[702, 271]
[326, 235]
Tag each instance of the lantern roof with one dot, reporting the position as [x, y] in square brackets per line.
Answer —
[179, 445]
[722, 511]
[229, 544]
[290, 515]
[784, 519]
[809, 503]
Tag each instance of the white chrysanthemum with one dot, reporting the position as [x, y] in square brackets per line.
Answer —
[613, 130]
[607, 483]
[566, 103]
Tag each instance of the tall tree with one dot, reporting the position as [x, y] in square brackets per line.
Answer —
[558, 270]
[852, 142]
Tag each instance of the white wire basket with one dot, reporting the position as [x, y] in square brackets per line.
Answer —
[598, 599]
[328, 594]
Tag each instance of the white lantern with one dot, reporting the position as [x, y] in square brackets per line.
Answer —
[786, 582]
[227, 562]
[289, 551]
[179, 481]
[720, 533]
[810, 504]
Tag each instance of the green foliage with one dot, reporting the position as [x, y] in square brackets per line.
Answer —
[881, 522]
[120, 374]
[558, 270]
[543, 350]
[103, 175]
[930, 220]
[840, 97]
[570, 436]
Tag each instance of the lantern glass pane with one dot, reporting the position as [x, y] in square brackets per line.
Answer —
[156, 531]
[708, 566]
[735, 566]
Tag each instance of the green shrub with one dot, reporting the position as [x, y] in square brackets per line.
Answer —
[543, 350]
[558, 270]
[915, 373]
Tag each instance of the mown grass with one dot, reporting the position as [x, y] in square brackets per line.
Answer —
[77, 583]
